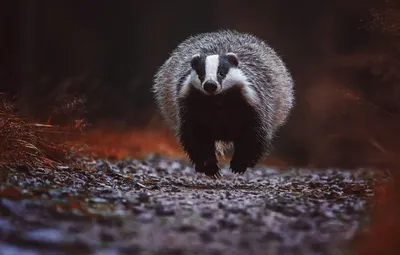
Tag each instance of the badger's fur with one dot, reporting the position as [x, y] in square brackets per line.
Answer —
[224, 87]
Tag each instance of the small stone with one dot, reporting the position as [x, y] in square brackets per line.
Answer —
[140, 185]
[187, 227]
[175, 189]
[301, 224]
[155, 187]
[138, 209]
[131, 249]
[22, 168]
[207, 214]
[162, 211]
[272, 236]
[206, 236]
[236, 210]
[244, 243]
[45, 235]
[145, 217]
[106, 237]
[227, 223]
[144, 197]
[213, 228]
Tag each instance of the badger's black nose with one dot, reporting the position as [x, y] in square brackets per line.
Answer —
[210, 86]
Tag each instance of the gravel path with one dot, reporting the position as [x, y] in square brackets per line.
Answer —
[160, 206]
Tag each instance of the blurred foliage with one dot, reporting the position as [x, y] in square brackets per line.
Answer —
[25, 144]
[386, 17]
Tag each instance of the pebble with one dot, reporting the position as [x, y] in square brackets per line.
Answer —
[206, 236]
[207, 214]
[263, 210]
[138, 209]
[145, 217]
[163, 211]
[143, 197]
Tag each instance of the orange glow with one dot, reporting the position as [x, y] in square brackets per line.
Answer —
[384, 234]
[135, 143]
[139, 143]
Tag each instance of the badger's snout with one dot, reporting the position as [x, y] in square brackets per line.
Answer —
[210, 86]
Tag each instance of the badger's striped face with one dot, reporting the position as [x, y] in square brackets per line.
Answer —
[213, 74]
[212, 70]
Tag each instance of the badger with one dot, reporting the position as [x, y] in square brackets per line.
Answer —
[220, 89]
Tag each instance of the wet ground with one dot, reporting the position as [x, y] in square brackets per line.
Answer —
[160, 206]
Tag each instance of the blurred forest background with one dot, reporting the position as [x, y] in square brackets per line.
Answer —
[95, 59]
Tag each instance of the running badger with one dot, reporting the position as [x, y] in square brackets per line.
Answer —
[224, 88]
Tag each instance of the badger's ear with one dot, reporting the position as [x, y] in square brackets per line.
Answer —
[195, 62]
[233, 59]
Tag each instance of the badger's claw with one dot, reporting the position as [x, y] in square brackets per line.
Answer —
[238, 168]
[217, 175]
[212, 171]
[238, 172]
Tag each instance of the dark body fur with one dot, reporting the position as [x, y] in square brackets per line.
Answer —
[224, 117]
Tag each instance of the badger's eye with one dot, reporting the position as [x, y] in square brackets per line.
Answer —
[220, 74]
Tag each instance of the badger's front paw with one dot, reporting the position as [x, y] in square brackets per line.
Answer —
[211, 170]
[238, 167]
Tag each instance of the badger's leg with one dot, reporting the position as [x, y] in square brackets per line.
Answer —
[249, 148]
[201, 152]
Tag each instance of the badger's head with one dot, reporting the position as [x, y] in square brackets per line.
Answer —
[213, 74]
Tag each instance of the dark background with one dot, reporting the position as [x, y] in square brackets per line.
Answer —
[95, 59]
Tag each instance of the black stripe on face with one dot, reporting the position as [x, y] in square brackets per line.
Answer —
[198, 64]
[225, 63]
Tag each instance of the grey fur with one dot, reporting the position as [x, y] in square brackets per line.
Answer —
[264, 69]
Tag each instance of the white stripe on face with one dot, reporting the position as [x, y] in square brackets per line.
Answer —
[211, 67]
[191, 80]
[236, 77]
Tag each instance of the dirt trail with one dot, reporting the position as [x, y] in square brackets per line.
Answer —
[160, 206]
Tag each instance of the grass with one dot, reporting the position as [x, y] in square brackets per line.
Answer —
[25, 143]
